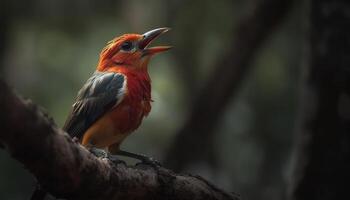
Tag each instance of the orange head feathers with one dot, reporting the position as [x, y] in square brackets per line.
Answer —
[131, 50]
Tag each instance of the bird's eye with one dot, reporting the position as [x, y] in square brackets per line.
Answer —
[127, 46]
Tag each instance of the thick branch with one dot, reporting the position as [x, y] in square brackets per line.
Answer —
[196, 138]
[67, 170]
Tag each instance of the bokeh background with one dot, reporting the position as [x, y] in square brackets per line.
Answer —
[50, 47]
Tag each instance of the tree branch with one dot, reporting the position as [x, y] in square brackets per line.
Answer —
[67, 170]
[196, 136]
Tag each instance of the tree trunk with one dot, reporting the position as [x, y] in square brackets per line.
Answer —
[323, 154]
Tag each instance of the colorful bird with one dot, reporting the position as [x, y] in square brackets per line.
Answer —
[115, 99]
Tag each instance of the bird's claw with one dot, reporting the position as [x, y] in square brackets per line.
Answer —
[75, 140]
[115, 159]
[150, 161]
[100, 153]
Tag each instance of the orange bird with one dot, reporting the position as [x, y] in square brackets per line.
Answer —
[116, 98]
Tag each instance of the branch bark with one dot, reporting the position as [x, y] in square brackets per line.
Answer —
[323, 155]
[67, 170]
[196, 136]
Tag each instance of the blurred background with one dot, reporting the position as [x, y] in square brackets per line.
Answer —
[50, 47]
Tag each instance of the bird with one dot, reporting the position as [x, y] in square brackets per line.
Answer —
[115, 99]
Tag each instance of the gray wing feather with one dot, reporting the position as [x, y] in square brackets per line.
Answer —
[100, 93]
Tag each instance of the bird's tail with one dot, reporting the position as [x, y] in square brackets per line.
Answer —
[39, 193]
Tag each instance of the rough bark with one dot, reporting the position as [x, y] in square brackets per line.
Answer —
[194, 141]
[323, 143]
[67, 170]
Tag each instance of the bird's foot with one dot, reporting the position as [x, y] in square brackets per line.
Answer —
[115, 159]
[149, 161]
[75, 140]
[144, 159]
[100, 153]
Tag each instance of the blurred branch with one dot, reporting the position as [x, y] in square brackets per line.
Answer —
[68, 170]
[195, 140]
[188, 38]
[323, 155]
[4, 26]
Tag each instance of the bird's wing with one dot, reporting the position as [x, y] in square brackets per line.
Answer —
[99, 94]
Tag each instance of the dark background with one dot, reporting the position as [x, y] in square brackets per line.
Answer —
[50, 47]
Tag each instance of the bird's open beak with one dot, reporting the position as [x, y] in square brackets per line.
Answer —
[148, 37]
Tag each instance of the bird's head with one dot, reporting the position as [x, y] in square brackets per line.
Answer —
[131, 50]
